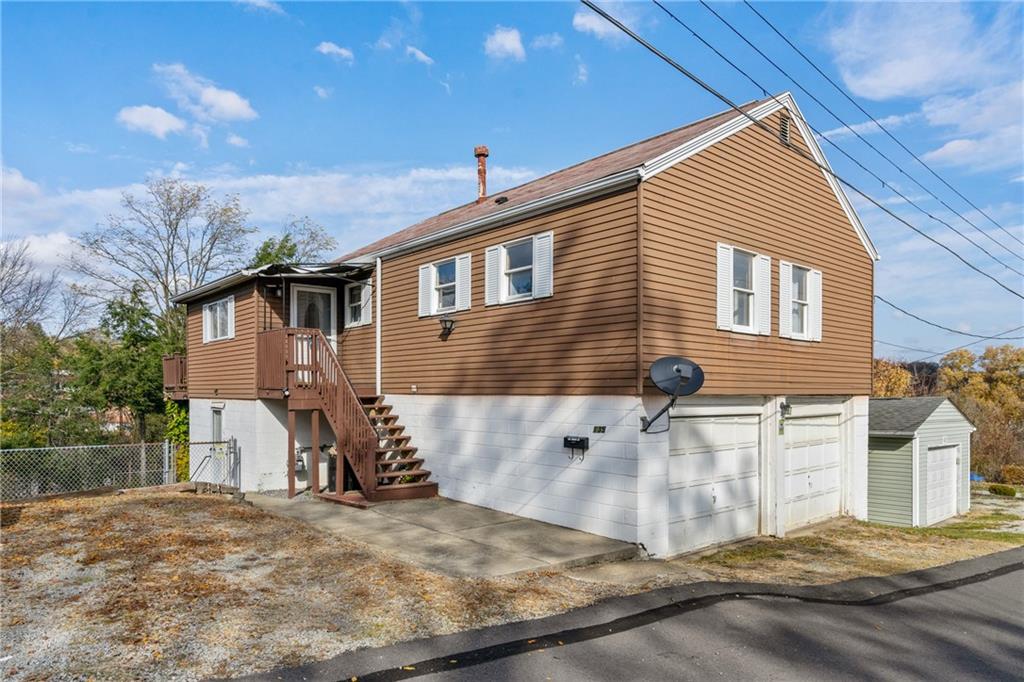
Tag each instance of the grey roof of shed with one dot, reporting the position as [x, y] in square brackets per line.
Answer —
[900, 416]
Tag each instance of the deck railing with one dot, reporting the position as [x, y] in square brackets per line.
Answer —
[302, 362]
[175, 373]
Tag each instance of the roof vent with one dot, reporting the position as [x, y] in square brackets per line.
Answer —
[501, 200]
[784, 129]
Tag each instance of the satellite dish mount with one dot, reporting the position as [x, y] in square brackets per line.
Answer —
[677, 377]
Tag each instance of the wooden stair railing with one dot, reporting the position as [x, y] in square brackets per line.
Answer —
[300, 364]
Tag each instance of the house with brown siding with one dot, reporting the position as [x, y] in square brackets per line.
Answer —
[455, 356]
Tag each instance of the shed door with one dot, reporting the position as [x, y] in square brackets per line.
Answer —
[714, 483]
[813, 465]
[940, 483]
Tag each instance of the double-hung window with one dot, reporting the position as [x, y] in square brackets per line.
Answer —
[744, 282]
[799, 302]
[519, 270]
[445, 286]
[358, 304]
[219, 320]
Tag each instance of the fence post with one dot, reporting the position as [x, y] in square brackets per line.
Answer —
[167, 462]
[142, 465]
[236, 463]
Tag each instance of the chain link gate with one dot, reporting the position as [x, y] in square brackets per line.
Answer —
[215, 462]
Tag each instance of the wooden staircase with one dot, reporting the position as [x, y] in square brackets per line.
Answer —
[300, 365]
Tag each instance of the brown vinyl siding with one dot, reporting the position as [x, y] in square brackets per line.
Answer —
[750, 192]
[580, 341]
[224, 369]
[358, 348]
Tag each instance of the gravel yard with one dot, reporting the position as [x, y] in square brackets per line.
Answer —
[182, 586]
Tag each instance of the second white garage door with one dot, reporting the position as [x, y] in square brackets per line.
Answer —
[813, 464]
[714, 483]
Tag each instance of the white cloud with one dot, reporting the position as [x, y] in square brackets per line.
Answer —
[586, 20]
[505, 43]
[987, 127]
[336, 51]
[358, 207]
[79, 148]
[201, 97]
[261, 6]
[879, 57]
[322, 92]
[148, 119]
[237, 140]
[17, 187]
[547, 41]
[582, 73]
[869, 127]
[418, 55]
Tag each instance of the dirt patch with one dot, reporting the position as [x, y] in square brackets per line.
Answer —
[180, 586]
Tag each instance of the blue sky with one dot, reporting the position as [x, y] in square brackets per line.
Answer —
[364, 115]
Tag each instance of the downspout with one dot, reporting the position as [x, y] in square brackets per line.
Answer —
[378, 321]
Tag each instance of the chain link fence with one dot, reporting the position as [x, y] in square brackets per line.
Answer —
[215, 462]
[30, 472]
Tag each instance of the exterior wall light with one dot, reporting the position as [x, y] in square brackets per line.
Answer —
[447, 326]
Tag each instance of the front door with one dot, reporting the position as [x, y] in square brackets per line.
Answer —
[315, 308]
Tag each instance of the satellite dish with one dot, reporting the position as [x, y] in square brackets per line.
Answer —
[676, 377]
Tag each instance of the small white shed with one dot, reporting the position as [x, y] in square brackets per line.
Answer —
[919, 461]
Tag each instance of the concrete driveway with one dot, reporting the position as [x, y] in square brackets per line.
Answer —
[454, 538]
[960, 621]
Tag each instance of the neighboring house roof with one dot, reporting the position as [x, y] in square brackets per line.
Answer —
[600, 175]
[900, 416]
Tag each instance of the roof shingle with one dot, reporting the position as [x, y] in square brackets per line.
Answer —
[625, 158]
[900, 415]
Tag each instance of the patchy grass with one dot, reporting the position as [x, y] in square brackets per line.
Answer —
[180, 586]
[983, 526]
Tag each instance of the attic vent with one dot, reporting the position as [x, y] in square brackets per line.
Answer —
[784, 129]
[501, 200]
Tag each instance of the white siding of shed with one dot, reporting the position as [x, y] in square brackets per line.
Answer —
[946, 426]
[890, 480]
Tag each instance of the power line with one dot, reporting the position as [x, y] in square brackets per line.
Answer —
[877, 123]
[759, 124]
[997, 337]
[939, 326]
[861, 138]
[896, 345]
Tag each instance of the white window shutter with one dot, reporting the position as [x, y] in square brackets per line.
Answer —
[763, 294]
[724, 286]
[814, 294]
[365, 304]
[543, 265]
[785, 299]
[463, 278]
[426, 289]
[492, 275]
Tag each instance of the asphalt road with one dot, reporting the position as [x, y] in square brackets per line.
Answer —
[971, 632]
[964, 621]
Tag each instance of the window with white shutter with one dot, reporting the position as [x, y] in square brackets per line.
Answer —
[744, 285]
[358, 304]
[520, 270]
[799, 302]
[445, 286]
[219, 320]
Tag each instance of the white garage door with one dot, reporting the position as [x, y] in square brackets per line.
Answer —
[714, 486]
[812, 469]
[940, 484]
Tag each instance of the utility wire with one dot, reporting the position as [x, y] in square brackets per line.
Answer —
[939, 326]
[880, 126]
[852, 130]
[761, 125]
[896, 345]
[997, 337]
[885, 184]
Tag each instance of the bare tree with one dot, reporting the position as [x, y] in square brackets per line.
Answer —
[302, 241]
[25, 292]
[174, 238]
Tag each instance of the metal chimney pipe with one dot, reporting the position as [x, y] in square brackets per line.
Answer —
[481, 153]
